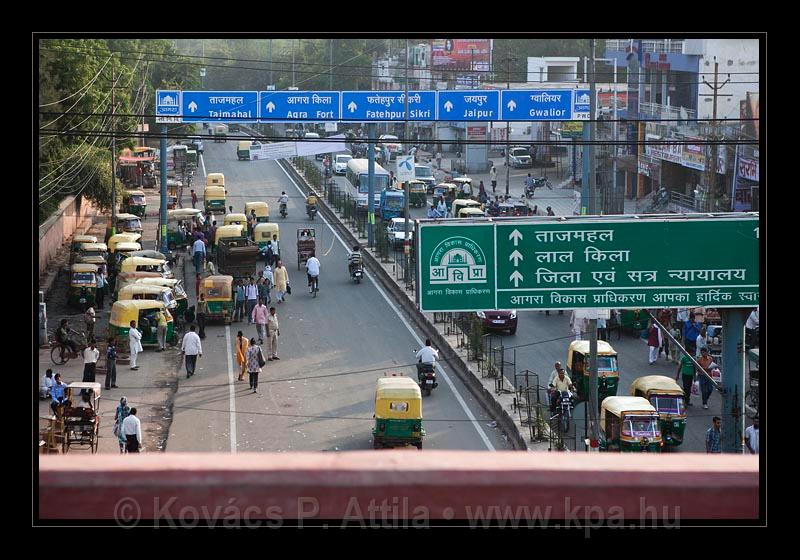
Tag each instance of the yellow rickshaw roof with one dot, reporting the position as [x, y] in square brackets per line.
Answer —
[183, 213]
[658, 383]
[142, 261]
[215, 191]
[216, 280]
[470, 211]
[127, 246]
[124, 216]
[627, 405]
[124, 236]
[447, 185]
[236, 216]
[215, 179]
[125, 311]
[157, 281]
[270, 226]
[133, 192]
[256, 205]
[582, 346]
[466, 202]
[461, 179]
[138, 288]
[94, 247]
[244, 144]
[232, 230]
[84, 239]
[84, 267]
[396, 388]
[222, 283]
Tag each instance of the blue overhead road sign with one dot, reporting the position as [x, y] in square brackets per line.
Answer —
[360, 106]
[168, 102]
[469, 105]
[299, 106]
[536, 104]
[220, 106]
[580, 105]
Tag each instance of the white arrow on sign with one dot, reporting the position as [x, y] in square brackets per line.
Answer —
[516, 236]
[448, 106]
[511, 105]
[192, 106]
[352, 106]
[516, 277]
[270, 106]
[516, 256]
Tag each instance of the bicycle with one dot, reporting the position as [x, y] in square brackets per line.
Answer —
[314, 285]
[60, 353]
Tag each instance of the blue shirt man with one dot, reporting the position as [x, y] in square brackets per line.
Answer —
[713, 436]
[57, 392]
[691, 329]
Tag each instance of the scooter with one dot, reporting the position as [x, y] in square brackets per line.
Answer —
[283, 209]
[357, 272]
[530, 190]
[426, 375]
[311, 211]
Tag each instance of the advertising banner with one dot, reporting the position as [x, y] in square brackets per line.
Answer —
[472, 54]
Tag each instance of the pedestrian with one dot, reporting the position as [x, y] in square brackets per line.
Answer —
[751, 328]
[161, 331]
[194, 198]
[482, 196]
[602, 332]
[101, 288]
[212, 233]
[273, 332]
[550, 211]
[665, 318]
[706, 384]
[90, 356]
[260, 313]
[269, 281]
[46, 384]
[198, 253]
[493, 174]
[132, 430]
[255, 359]
[242, 344]
[123, 410]
[201, 312]
[276, 250]
[691, 328]
[577, 326]
[263, 287]
[191, 348]
[751, 437]
[89, 317]
[438, 159]
[57, 393]
[529, 184]
[135, 344]
[687, 374]
[269, 254]
[111, 363]
[251, 293]
[230, 209]
[714, 435]
[653, 341]
[700, 342]
[281, 276]
[441, 206]
[238, 310]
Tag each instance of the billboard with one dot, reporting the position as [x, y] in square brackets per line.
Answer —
[461, 54]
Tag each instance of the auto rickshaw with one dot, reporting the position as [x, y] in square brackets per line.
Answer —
[471, 213]
[129, 223]
[178, 293]
[82, 285]
[448, 190]
[143, 311]
[398, 413]
[214, 198]
[127, 278]
[634, 320]
[143, 264]
[134, 202]
[267, 232]
[172, 193]
[215, 179]
[261, 208]
[417, 193]
[629, 424]
[138, 291]
[123, 251]
[191, 157]
[233, 230]
[218, 291]
[463, 187]
[144, 151]
[243, 150]
[122, 238]
[220, 132]
[666, 396]
[92, 253]
[235, 218]
[78, 240]
[462, 203]
[607, 368]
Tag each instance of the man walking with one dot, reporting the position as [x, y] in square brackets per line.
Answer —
[691, 329]
[135, 344]
[194, 198]
[438, 159]
[198, 254]
[493, 174]
[706, 385]
[191, 347]
[273, 331]
[281, 276]
[263, 286]
[111, 363]
[751, 437]
[132, 430]
[665, 318]
[251, 293]
[90, 318]
[238, 311]
[686, 372]
[653, 341]
[161, 331]
[101, 287]
[90, 356]
[202, 311]
[714, 435]
[260, 314]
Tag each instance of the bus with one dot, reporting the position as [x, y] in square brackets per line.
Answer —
[357, 175]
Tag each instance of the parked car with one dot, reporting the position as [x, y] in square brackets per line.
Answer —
[396, 232]
[505, 320]
[394, 148]
[520, 157]
[424, 173]
[340, 163]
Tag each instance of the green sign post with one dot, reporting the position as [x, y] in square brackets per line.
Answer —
[613, 262]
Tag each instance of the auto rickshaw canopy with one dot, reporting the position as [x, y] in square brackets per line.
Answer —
[582, 347]
[123, 237]
[265, 231]
[160, 293]
[148, 253]
[244, 145]
[133, 192]
[218, 287]
[659, 384]
[78, 239]
[415, 185]
[261, 208]
[619, 406]
[94, 247]
[471, 212]
[126, 278]
[214, 192]
[234, 218]
[397, 397]
[174, 284]
[233, 230]
[185, 214]
[130, 264]
[125, 216]
[125, 311]
[215, 179]
[127, 247]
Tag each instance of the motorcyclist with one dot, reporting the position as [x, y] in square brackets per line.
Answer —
[311, 201]
[354, 259]
[427, 354]
[562, 382]
[283, 201]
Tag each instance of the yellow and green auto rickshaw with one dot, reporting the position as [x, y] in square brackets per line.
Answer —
[218, 291]
[78, 240]
[215, 180]
[261, 208]
[243, 150]
[220, 133]
[137, 291]
[463, 187]
[666, 396]
[470, 212]
[446, 190]
[122, 238]
[235, 219]
[268, 232]
[417, 193]
[82, 285]
[144, 264]
[127, 278]
[129, 223]
[233, 230]
[174, 284]
[398, 413]
[191, 157]
[92, 253]
[629, 424]
[143, 311]
[189, 217]
[134, 202]
[607, 368]
[124, 250]
[214, 198]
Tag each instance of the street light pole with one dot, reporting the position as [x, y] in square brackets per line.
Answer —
[406, 186]
[509, 58]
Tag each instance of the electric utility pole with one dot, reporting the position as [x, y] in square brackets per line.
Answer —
[509, 59]
[711, 166]
[406, 186]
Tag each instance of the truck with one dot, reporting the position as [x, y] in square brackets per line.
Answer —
[392, 204]
[237, 257]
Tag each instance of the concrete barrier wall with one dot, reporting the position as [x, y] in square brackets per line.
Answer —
[73, 216]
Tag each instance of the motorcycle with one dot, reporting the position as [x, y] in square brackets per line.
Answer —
[660, 201]
[356, 272]
[311, 210]
[283, 209]
[564, 405]
[539, 182]
[426, 375]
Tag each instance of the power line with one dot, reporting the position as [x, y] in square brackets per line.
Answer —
[81, 89]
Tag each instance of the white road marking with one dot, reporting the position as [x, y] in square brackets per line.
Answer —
[231, 391]
[203, 165]
[460, 400]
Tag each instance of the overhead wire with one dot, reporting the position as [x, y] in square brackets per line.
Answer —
[87, 85]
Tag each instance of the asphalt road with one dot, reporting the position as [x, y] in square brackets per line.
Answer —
[319, 396]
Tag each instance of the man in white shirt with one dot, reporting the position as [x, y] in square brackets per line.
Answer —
[46, 384]
[751, 437]
[751, 328]
[700, 342]
[427, 354]
[198, 254]
[90, 356]
[191, 347]
[135, 344]
[132, 430]
[554, 373]
[312, 266]
[251, 295]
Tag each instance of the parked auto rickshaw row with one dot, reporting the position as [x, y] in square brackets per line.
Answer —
[134, 202]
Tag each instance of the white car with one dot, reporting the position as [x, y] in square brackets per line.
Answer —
[394, 148]
[519, 157]
[397, 231]
[340, 163]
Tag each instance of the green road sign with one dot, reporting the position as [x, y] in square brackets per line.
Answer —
[612, 262]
